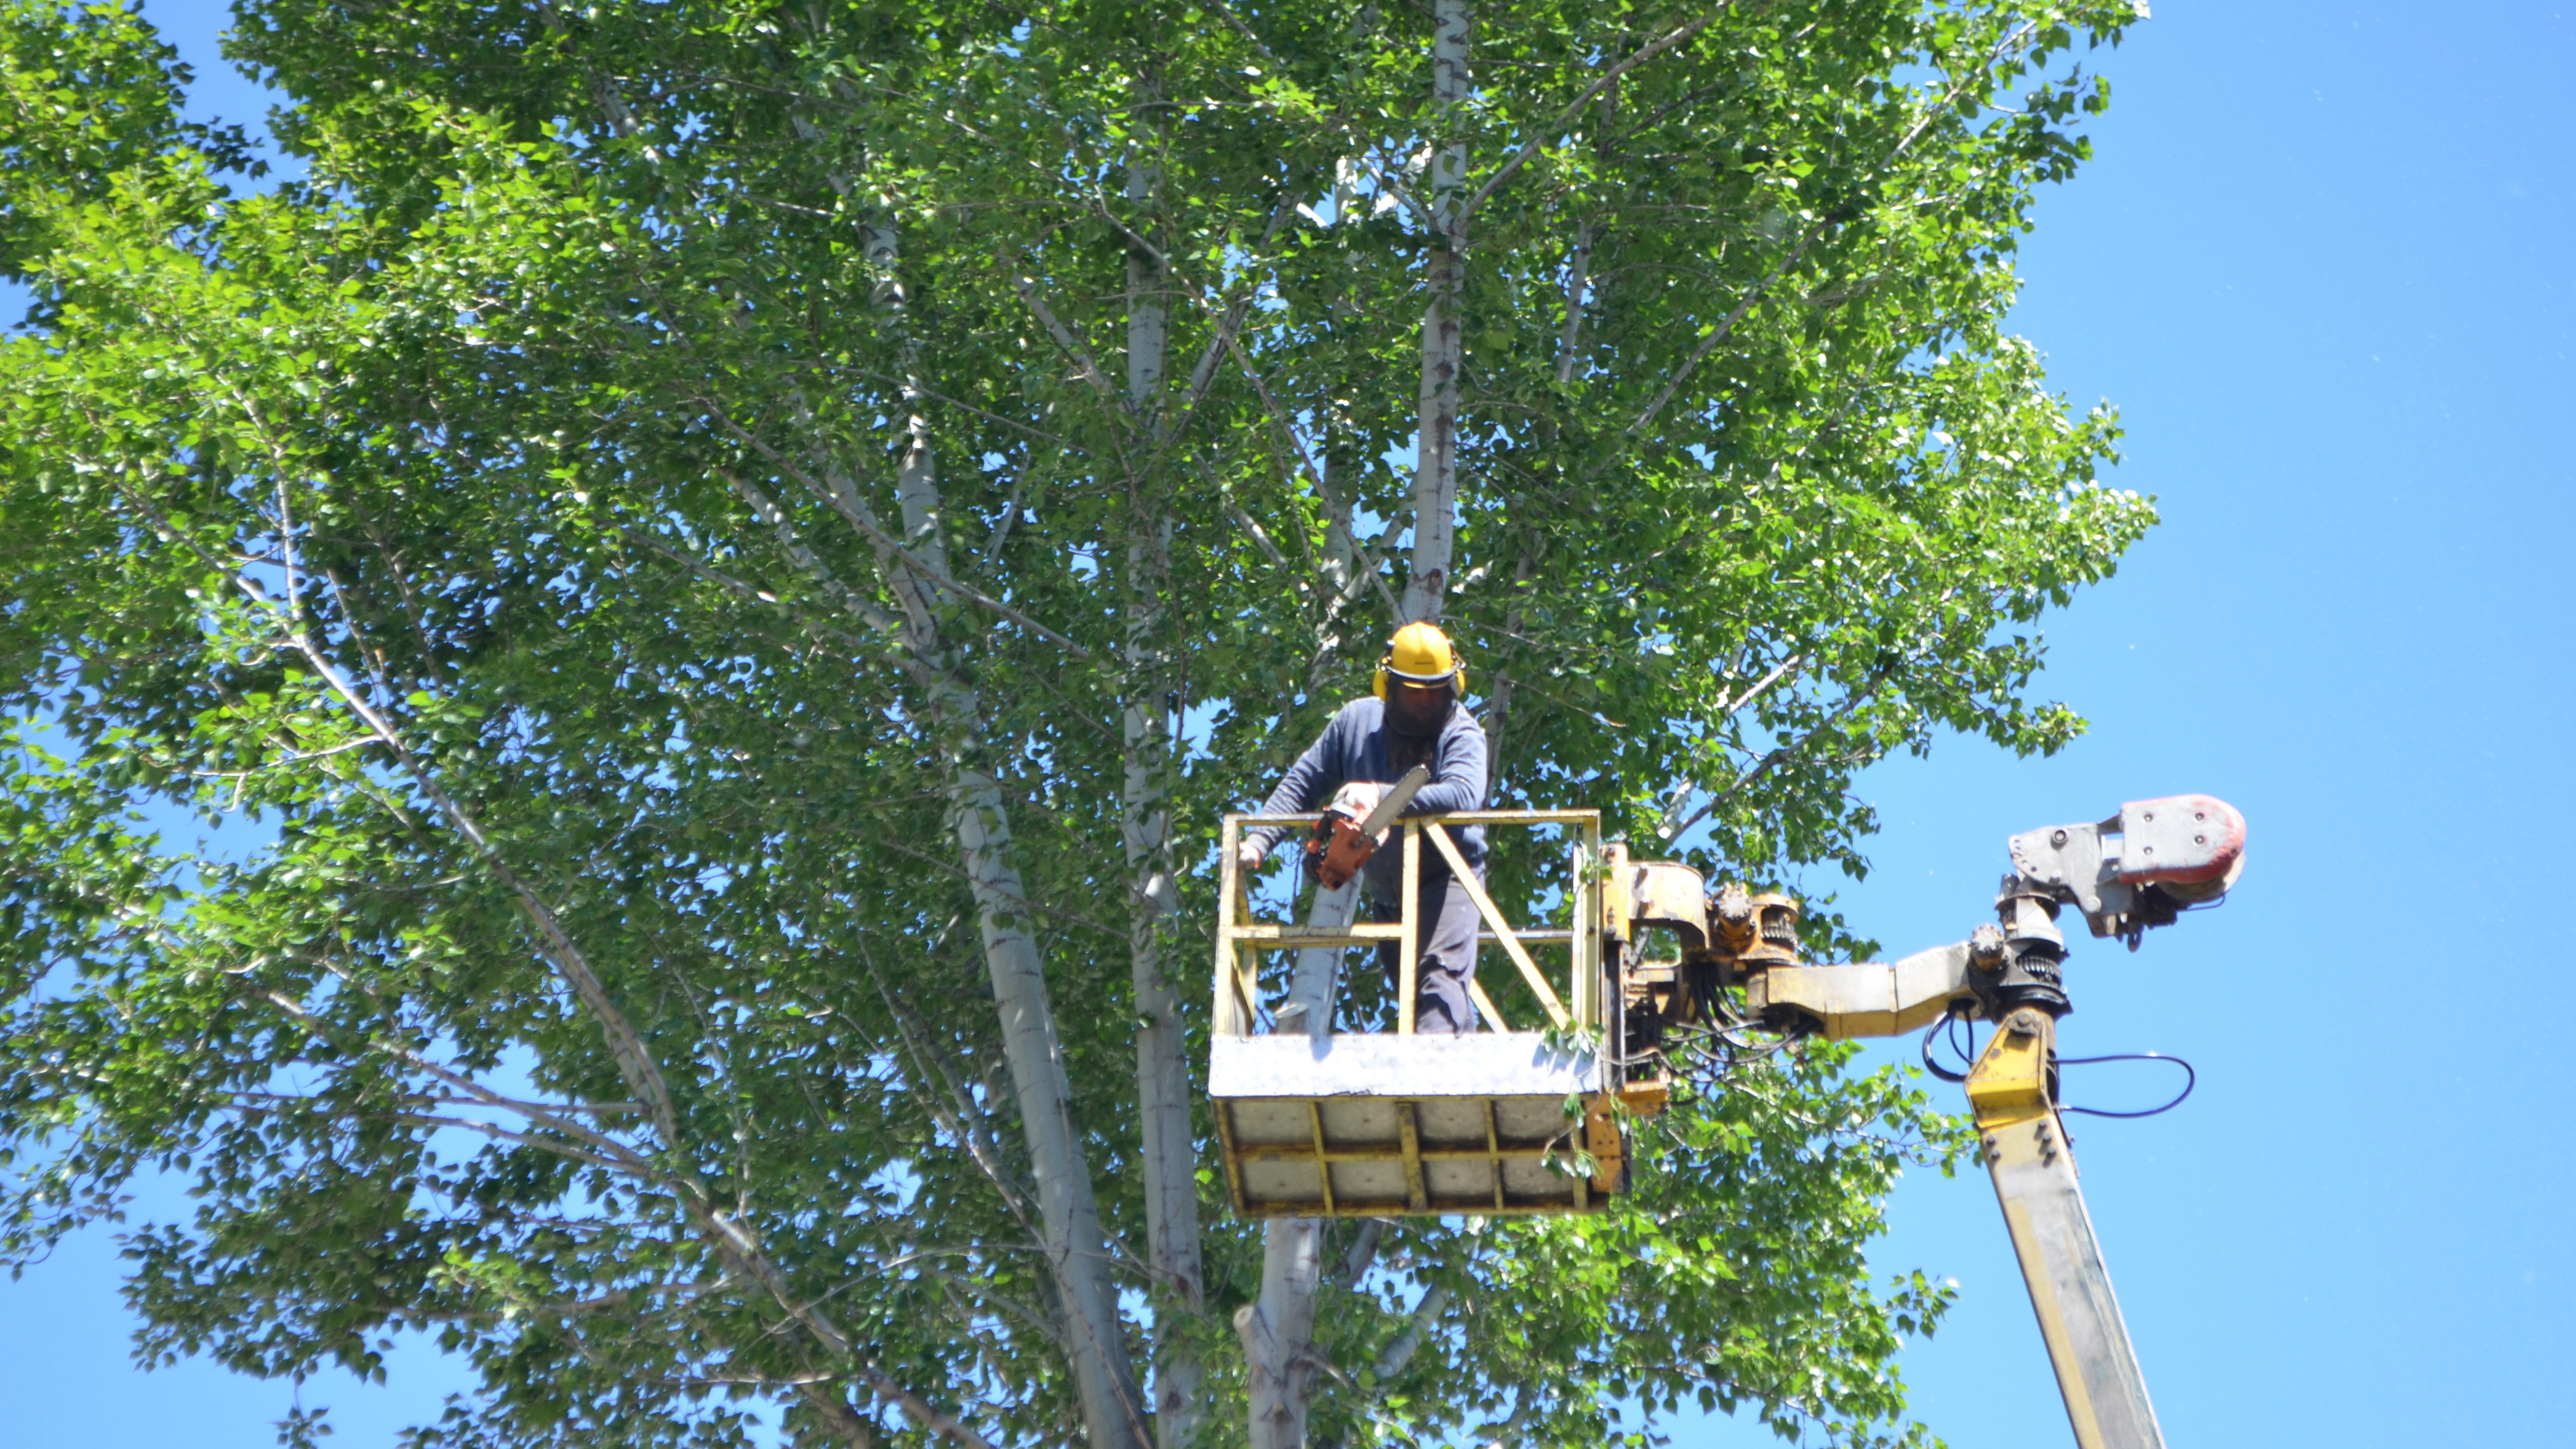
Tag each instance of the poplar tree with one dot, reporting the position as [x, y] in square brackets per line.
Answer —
[732, 552]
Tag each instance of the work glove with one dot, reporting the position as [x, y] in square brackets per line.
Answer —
[1356, 799]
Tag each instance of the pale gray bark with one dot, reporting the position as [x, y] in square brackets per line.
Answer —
[1168, 1150]
[1278, 1330]
[1148, 316]
[979, 820]
[1578, 284]
[1400, 1349]
[1076, 1249]
[1435, 474]
[1308, 1006]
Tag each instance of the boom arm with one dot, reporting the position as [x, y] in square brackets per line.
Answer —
[2127, 874]
[2024, 1145]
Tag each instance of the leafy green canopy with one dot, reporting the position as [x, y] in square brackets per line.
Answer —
[509, 514]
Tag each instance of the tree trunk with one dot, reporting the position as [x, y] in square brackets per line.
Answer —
[1498, 696]
[1435, 474]
[1308, 1007]
[1278, 1331]
[1076, 1248]
[1168, 1148]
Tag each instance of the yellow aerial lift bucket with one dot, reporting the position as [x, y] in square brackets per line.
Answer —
[1314, 1123]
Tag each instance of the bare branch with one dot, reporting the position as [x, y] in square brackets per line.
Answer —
[958, 1113]
[737, 587]
[627, 1158]
[1039, 434]
[1363, 560]
[792, 543]
[776, 518]
[1229, 323]
[1064, 339]
[1399, 1350]
[1778, 672]
[643, 1074]
[1717, 335]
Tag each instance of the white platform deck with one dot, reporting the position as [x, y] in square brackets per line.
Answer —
[1371, 1125]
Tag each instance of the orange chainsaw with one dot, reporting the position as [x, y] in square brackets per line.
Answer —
[1343, 841]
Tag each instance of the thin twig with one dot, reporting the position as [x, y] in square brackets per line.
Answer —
[1539, 136]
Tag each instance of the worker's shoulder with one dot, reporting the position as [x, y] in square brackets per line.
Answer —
[1364, 713]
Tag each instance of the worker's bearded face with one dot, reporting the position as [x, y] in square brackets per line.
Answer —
[1418, 709]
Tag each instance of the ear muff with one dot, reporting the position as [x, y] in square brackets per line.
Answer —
[1377, 684]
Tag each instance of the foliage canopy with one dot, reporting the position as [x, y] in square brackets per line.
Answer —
[701, 524]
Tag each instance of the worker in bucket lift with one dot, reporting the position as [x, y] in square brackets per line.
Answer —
[1414, 716]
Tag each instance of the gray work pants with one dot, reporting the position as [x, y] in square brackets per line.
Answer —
[1444, 941]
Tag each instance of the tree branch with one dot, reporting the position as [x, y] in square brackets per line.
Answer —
[878, 536]
[1610, 77]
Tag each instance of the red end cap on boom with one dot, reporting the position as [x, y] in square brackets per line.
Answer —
[2181, 840]
[2139, 868]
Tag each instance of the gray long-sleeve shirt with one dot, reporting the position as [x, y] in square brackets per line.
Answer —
[1355, 747]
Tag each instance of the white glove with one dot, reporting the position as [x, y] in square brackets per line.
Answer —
[1249, 855]
[1356, 799]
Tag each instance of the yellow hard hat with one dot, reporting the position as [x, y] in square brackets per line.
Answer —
[1420, 654]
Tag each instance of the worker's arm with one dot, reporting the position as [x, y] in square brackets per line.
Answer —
[1457, 773]
[1309, 782]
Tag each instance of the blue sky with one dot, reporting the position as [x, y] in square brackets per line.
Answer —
[2322, 263]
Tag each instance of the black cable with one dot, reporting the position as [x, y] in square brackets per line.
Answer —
[1951, 1024]
[2190, 1079]
[1965, 1054]
[1706, 1053]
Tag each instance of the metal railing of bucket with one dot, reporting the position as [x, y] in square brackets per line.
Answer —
[1374, 1123]
[1240, 939]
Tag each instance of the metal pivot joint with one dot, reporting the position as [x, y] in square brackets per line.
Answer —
[2025, 965]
